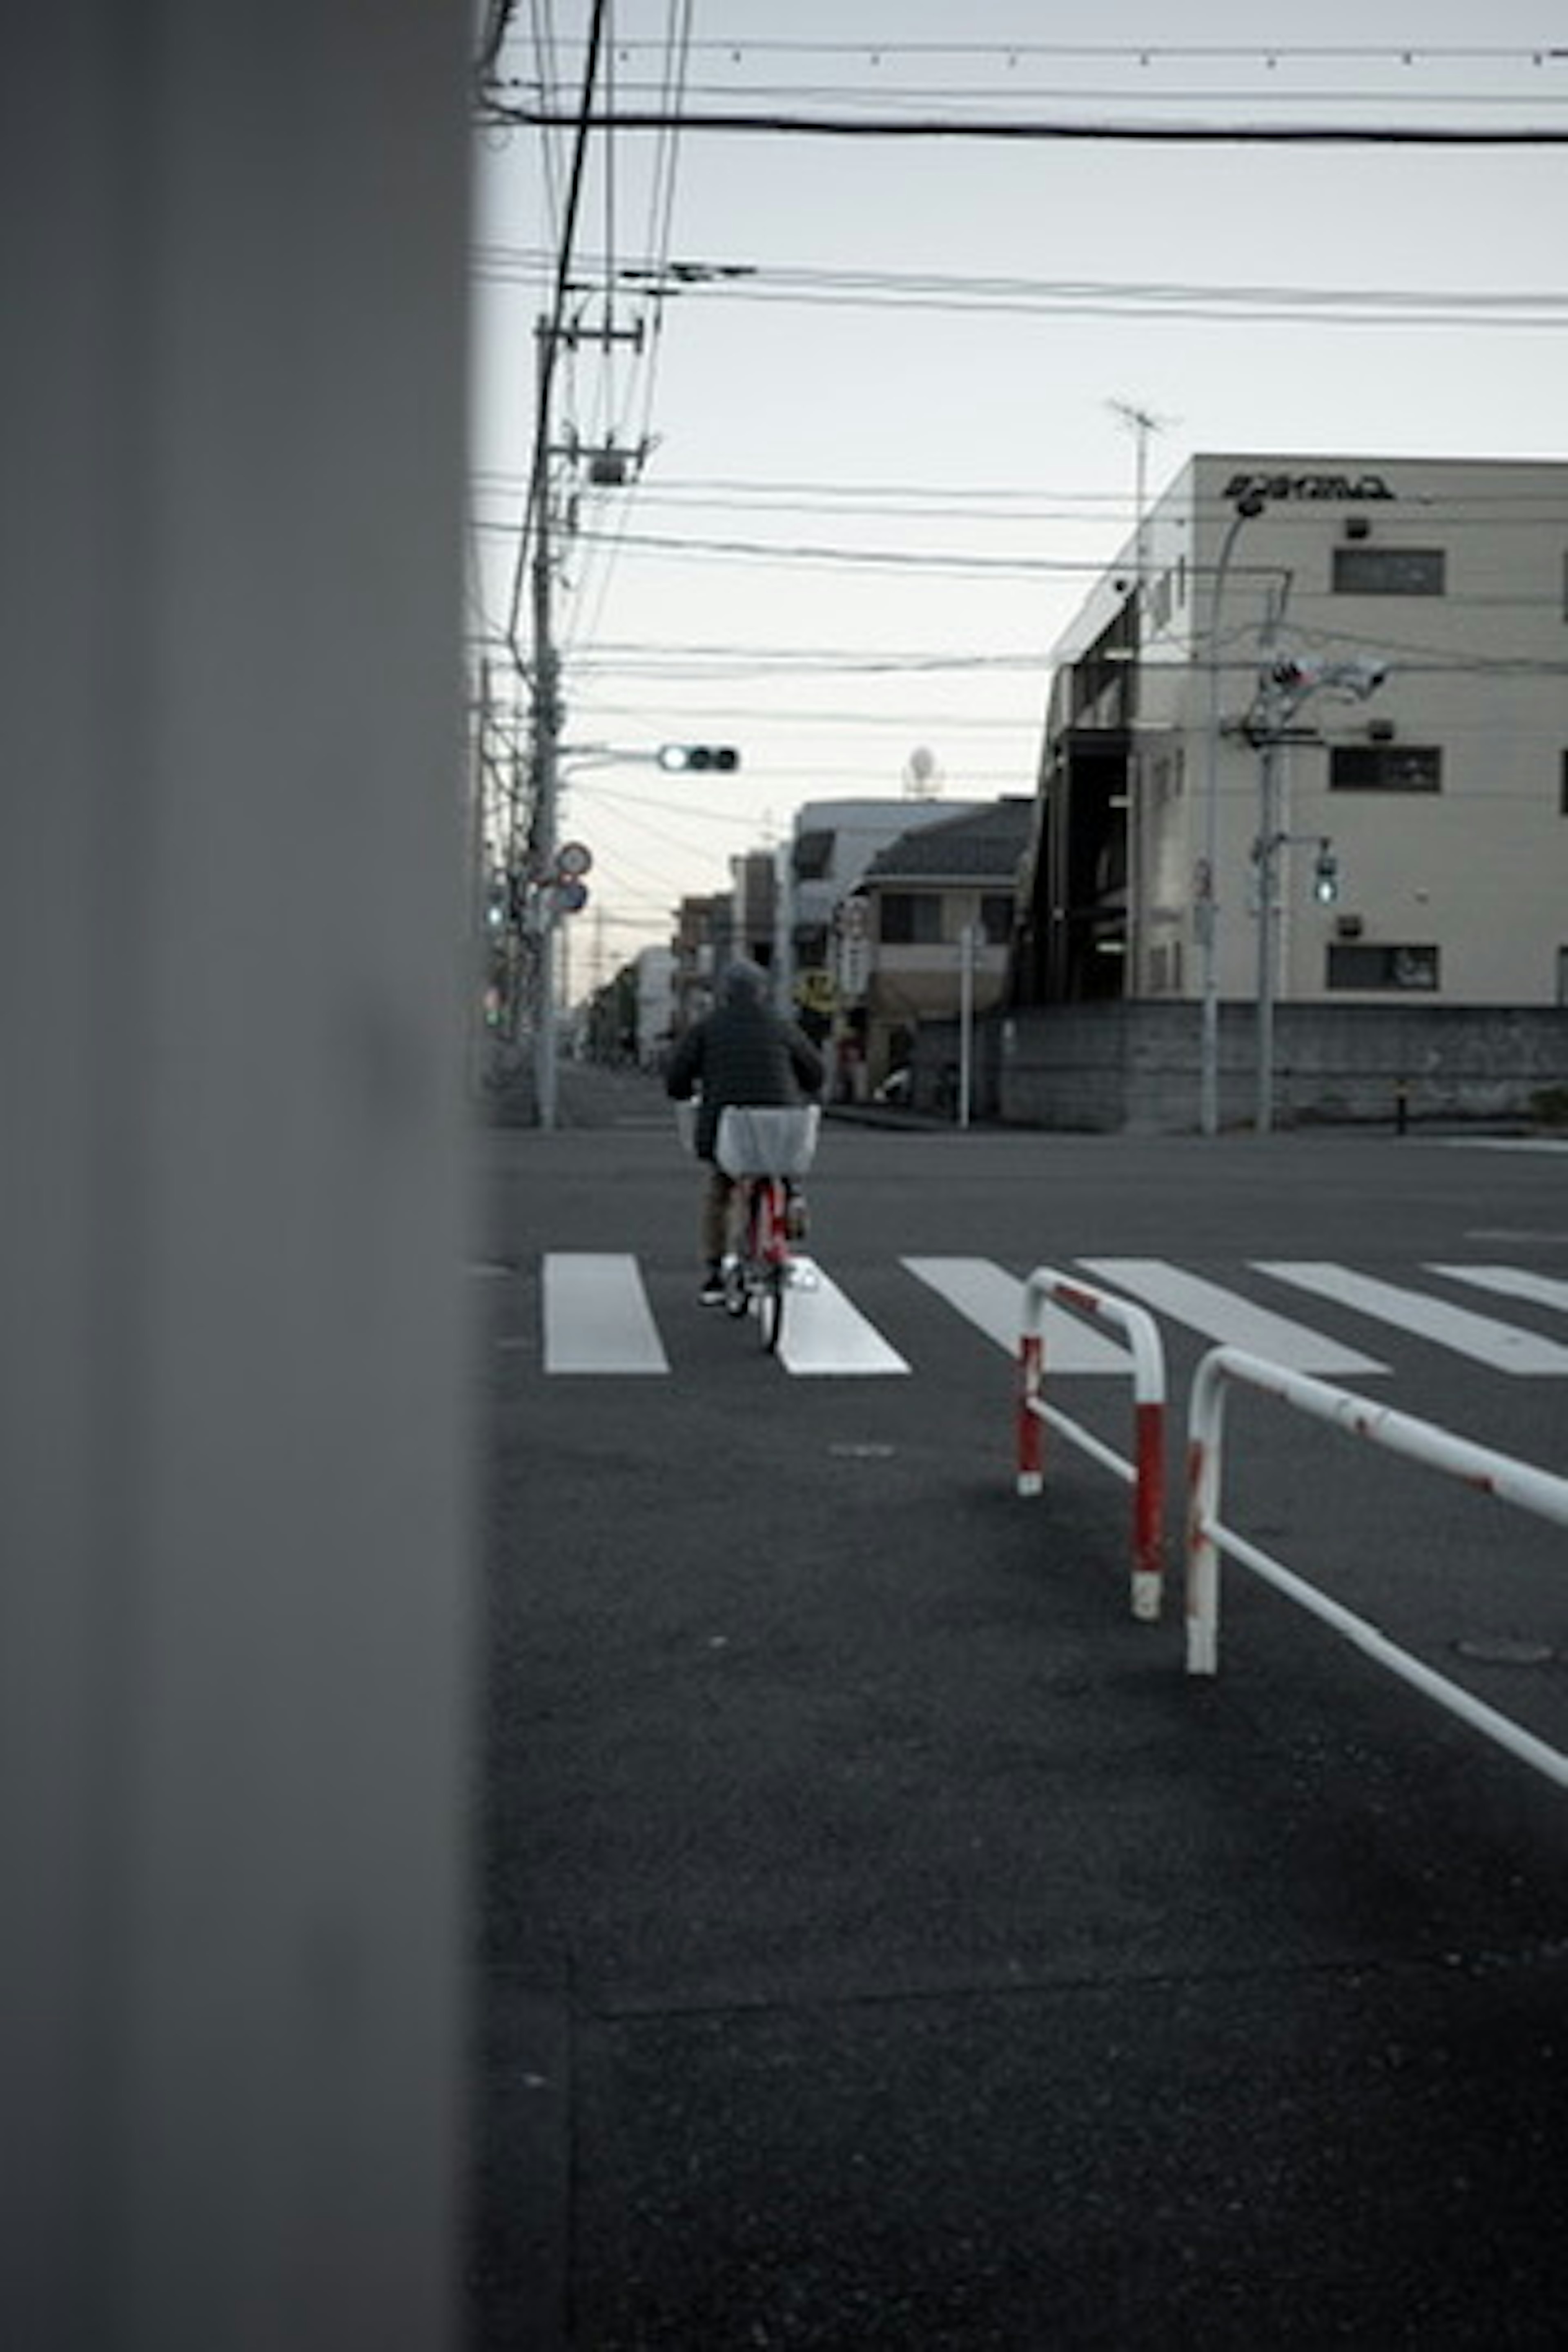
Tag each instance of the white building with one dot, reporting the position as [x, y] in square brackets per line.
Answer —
[654, 968]
[1213, 696]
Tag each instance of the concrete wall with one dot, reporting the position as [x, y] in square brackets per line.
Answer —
[1134, 1069]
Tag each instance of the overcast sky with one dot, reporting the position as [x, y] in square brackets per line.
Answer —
[873, 501]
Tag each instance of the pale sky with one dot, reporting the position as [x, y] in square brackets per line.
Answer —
[978, 452]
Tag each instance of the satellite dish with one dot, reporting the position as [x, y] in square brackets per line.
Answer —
[922, 777]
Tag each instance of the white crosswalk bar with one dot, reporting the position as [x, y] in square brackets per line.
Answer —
[1222, 1315]
[1500, 1345]
[993, 1300]
[597, 1317]
[824, 1334]
[1511, 1281]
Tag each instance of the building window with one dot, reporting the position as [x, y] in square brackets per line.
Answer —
[1359, 965]
[1363, 571]
[997, 918]
[813, 855]
[911, 918]
[1385, 768]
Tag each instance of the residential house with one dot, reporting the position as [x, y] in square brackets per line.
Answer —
[926, 933]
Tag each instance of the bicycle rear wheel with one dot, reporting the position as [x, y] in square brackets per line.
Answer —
[770, 1306]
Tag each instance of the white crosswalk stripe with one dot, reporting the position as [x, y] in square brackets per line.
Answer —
[992, 1299]
[596, 1315]
[1235, 1322]
[598, 1319]
[1501, 1346]
[823, 1332]
[1511, 1281]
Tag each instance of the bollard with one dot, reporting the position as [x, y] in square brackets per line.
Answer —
[1401, 1106]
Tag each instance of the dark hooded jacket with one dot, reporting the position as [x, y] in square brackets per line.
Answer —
[741, 1052]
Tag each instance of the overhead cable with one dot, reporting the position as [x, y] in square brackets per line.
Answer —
[845, 126]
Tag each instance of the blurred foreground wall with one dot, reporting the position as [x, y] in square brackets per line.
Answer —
[233, 1646]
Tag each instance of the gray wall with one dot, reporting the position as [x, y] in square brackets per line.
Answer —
[1134, 1069]
[233, 1456]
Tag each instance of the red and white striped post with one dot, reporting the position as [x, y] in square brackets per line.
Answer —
[1030, 1422]
[1146, 1472]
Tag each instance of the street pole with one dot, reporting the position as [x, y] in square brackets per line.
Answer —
[965, 1021]
[1269, 841]
[546, 747]
[1208, 900]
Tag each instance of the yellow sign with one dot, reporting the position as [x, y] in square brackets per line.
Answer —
[816, 992]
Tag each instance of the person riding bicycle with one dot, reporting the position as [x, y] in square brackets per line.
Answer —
[740, 1053]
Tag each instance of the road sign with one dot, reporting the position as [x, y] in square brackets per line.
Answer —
[573, 860]
[571, 897]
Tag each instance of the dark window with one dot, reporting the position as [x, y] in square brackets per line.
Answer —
[911, 918]
[1385, 768]
[1363, 571]
[813, 855]
[1359, 965]
[997, 918]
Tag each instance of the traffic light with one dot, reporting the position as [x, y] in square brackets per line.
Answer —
[1326, 876]
[695, 758]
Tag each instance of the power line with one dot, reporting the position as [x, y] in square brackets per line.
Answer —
[1141, 52]
[972, 292]
[775, 124]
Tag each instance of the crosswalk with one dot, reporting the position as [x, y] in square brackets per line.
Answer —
[599, 1318]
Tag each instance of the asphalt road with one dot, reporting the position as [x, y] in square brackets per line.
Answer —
[882, 1941]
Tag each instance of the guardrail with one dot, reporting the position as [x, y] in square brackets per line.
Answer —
[1146, 1472]
[1487, 1472]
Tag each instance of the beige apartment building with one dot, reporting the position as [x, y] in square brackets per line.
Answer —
[1341, 680]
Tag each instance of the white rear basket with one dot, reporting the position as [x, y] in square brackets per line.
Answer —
[758, 1140]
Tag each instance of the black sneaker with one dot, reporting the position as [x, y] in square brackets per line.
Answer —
[713, 1291]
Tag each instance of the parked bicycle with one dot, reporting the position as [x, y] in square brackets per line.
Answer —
[766, 1151]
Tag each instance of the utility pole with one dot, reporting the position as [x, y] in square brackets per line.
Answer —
[1268, 837]
[610, 468]
[1207, 894]
[966, 944]
[546, 751]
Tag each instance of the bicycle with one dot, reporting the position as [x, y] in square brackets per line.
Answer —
[765, 1150]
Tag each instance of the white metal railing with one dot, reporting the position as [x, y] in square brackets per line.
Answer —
[1487, 1472]
[1146, 1471]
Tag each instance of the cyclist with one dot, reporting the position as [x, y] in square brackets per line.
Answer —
[741, 1052]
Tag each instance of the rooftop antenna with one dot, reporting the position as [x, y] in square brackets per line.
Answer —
[1141, 422]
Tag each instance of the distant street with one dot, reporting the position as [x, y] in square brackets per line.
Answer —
[884, 1941]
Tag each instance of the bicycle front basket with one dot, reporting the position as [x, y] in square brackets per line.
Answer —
[755, 1139]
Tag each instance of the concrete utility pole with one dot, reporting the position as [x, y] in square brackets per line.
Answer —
[1206, 895]
[1283, 689]
[546, 755]
[1273, 712]
[966, 945]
